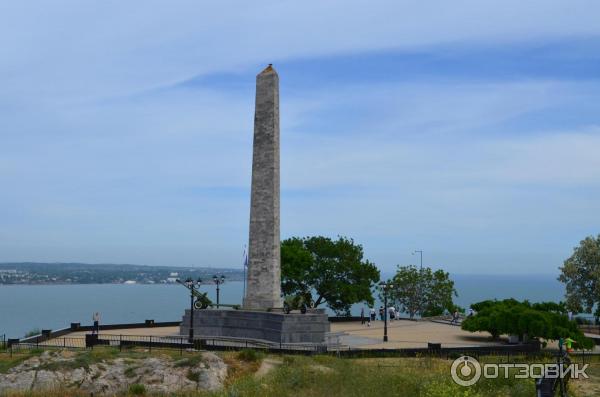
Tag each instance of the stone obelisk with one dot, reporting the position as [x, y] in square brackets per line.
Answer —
[263, 290]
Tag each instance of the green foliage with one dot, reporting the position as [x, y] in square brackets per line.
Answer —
[583, 321]
[137, 389]
[544, 320]
[334, 270]
[422, 291]
[581, 275]
[194, 376]
[189, 361]
[250, 355]
[130, 371]
[389, 377]
[339, 377]
[33, 332]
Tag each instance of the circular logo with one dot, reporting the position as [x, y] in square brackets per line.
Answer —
[465, 371]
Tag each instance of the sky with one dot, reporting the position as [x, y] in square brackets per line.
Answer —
[469, 130]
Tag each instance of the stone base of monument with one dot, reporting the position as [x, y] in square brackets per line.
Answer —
[270, 326]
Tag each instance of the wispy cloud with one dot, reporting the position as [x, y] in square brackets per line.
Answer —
[126, 128]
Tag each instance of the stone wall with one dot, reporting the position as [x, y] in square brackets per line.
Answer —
[269, 326]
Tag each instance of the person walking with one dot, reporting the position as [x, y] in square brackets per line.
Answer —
[96, 319]
[392, 311]
[381, 312]
[372, 314]
[362, 315]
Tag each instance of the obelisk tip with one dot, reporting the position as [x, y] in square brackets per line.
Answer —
[269, 69]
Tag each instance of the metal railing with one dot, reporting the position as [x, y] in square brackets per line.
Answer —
[174, 342]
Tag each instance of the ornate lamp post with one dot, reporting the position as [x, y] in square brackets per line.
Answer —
[190, 284]
[385, 287]
[218, 281]
[421, 254]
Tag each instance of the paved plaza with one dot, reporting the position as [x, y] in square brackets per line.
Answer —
[401, 334]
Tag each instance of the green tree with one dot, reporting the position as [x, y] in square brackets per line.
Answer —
[581, 275]
[546, 320]
[334, 270]
[422, 291]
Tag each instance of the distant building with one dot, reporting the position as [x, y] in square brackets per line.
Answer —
[173, 277]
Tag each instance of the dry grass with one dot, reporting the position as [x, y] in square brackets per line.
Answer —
[330, 376]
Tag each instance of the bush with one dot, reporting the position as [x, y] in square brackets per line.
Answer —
[33, 332]
[545, 320]
[137, 389]
[583, 321]
[250, 355]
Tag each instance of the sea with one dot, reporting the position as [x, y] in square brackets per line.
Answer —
[24, 308]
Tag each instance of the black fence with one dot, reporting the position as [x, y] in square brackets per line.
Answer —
[183, 343]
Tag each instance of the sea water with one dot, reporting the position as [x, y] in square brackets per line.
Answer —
[26, 307]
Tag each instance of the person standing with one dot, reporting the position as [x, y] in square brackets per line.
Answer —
[455, 317]
[381, 312]
[372, 314]
[569, 344]
[96, 319]
[362, 315]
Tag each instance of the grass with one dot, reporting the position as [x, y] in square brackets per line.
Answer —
[130, 371]
[193, 376]
[191, 361]
[329, 376]
[8, 361]
[250, 355]
[137, 390]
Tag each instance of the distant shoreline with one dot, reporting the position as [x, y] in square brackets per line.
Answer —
[137, 283]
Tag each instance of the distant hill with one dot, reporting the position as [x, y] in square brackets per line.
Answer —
[85, 273]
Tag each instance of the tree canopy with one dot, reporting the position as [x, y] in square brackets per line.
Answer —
[333, 270]
[581, 275]
[546, 320]
[422, 291]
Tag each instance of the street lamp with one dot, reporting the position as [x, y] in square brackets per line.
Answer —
[218, 280]
[190, 284]
[421, 269]
[421, 253]
[385, 287]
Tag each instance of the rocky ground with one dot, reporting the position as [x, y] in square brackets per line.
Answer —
[57, 370]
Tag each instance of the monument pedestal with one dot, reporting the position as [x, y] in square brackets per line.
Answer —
[274, 327]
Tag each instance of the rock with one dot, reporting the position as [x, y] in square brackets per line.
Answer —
[157, 374]
[16, 381]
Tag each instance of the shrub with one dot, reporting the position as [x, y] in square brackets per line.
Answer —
[33, 332]
[545, 320]
[193, 376]
[250, 355]
[137, 389]
[189, 361]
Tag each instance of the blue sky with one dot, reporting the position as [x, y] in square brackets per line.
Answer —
[468, 130]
